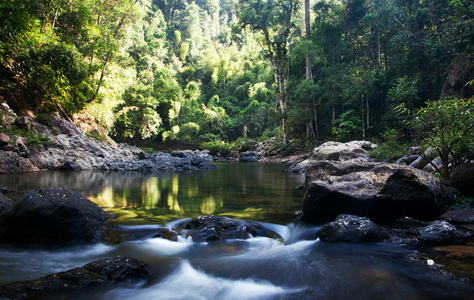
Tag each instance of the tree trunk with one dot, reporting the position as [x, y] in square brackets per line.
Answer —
[309, 74]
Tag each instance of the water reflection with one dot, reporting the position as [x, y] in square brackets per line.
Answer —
[245, 191]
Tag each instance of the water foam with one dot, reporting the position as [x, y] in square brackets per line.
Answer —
[189, 283]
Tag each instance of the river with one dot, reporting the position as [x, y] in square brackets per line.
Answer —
[296, 266]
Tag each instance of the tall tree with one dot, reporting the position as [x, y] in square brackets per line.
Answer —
[275, 22]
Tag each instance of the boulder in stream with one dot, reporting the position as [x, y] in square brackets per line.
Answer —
[105, 271]
[349, 228]
[211, 228]
[380, 191]
[53, 215]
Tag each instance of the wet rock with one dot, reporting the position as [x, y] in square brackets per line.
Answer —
[53, 215]
[462, 179]
[464, 216]
[348, 228]
[380, 191]
[97, 273]
[210, 228]
[439, 233]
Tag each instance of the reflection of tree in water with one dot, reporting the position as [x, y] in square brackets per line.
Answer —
[246, 191]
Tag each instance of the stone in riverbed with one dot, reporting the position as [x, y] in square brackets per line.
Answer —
[348, 228]
[53, 215]
[101, 272]
[439, 233]
[211, 228]
[380, 191]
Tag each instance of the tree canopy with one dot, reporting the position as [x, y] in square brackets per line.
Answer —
[182, 71]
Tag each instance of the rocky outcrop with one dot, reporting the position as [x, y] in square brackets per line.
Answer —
[349, 228]
[97, 273]
[380, 191]
[53, 215]
[66, 147]
[355, 151]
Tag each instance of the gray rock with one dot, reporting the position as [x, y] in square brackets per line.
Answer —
[348, 228]
[355, 151]
[69, 148]
[380, 191]
[250, 156]
[51, 215]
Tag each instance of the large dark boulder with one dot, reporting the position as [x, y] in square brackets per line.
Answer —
[101, 272]
[462, 179]
[53, 215]
[348, 228]
[380, 191]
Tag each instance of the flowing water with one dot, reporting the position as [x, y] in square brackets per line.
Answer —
[297, 266]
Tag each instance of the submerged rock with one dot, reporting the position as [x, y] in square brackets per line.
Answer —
[101, 272]
[53, 215]
[348, 228]
[380, 191]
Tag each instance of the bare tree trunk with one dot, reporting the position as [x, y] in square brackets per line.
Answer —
[309, 74]
[54, 21]
[363, 119]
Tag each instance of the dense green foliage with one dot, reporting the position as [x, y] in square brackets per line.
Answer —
[210, 71]
[448, 127]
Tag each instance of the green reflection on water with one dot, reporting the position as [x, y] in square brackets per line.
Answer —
[237, 190]
[245, 191]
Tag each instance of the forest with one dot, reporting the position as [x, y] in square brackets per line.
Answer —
[216, 72]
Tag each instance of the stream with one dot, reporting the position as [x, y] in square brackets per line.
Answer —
[294, 266]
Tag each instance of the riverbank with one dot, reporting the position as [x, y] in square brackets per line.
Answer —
[56, 144]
